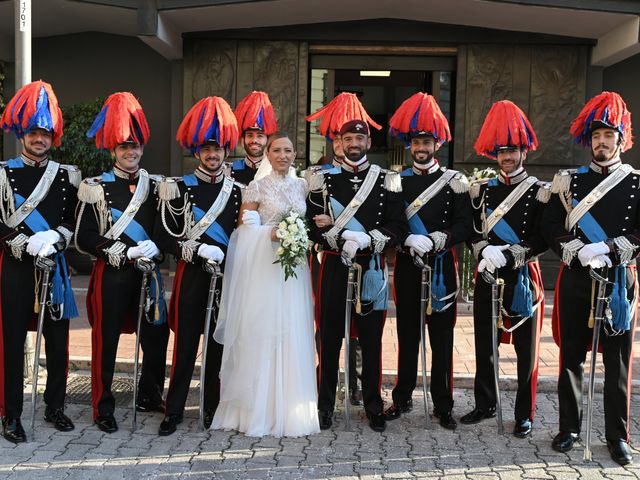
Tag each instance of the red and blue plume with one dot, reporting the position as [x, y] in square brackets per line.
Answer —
[256, 112]
[342, 109]
[211, 119]
[419, 113]
[505, 126]
[34, 106]
[607, 108]
[120, 120]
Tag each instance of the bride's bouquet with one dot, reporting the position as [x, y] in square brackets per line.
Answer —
[294, 242]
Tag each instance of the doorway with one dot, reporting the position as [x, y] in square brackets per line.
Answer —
[381, 91]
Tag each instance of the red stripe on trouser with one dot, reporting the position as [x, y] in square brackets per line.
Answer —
[174, 304]
[536, 277]
[2, 406]
[94, 312]
[633, 269]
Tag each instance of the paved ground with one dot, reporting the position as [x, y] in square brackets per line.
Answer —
[404, 450]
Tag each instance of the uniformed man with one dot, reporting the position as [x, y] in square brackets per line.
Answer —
[438, 211]
[115, 220]
[593, 222]
[198, 213]
[506, 242]
[256, 120]
[331, 117]
[37, 200]
[360, 214]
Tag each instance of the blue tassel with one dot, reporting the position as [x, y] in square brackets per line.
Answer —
[619, 304]
[438, 288]
[158, 297]
[61, 291]
[372, 287]
[522, 303]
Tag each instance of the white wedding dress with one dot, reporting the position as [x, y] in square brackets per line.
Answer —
[267, 376]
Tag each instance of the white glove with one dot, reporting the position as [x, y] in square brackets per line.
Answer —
[47, 251]
[211, 252]
[599, 261]
[362, 239]
[134, 252]
[149, 249]
[349, 250]
[591, 250]
[493, 254]
[419, 244]
[39, 240]
[251, 217]
[486, 265]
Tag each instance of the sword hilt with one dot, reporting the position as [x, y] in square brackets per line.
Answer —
[212, 268]
[144, 264]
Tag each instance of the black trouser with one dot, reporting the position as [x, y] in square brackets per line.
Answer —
[407, 283]
[355, 352]
[17, 302]
[120, 295]
[332, 319]
[526, 339]
[193, 293]
[574, 302]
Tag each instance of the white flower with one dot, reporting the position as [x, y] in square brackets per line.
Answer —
[280, 251]
[293, 228]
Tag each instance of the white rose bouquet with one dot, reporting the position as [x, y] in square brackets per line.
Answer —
[481, 174]
[293, 235]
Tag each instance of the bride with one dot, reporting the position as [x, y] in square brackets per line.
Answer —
[265, 323]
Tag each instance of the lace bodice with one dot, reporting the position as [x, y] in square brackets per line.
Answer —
[276, 195]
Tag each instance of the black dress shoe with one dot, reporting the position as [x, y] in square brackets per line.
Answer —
[208, 417]
[522, 428]
[325, 419]
[12, 430]
[377, 421]
[147, 405]
[477, 415]
[620, 452]
[107, 423]
[355, 397]
[59, 419]
[397, 409]
[169, 425]
[563, 441]
[446, 420]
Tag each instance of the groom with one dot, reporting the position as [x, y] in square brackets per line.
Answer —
[198, 213]
[372, 221]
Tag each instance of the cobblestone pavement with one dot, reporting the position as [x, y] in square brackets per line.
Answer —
[404, 450]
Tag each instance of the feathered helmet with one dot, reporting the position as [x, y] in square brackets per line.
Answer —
[209, 120]
[342, 109]
[255, 112]
[506, 127]
[606, 110]
[419, 115]
[34, 106]
[121, 120]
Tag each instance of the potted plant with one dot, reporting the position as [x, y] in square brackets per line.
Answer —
[77, 149]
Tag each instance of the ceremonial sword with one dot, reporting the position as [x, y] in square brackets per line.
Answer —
[213, 269]
[146, 266]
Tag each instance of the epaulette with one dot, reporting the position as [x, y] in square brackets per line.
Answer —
[314, 178]
[168, 189]
[392, 181]
[459, 183]
[562, 181]
[156, 178]
[90, 190]
[75, 175]
[544, 191]
[476, 185]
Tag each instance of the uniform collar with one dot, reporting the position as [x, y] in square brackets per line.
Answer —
[120, 173]
[605, 169]
[251, 164]
[33, 163]
[207, 178]
[427, 168]
[513, 178]
[356, 167]
[336, 162]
